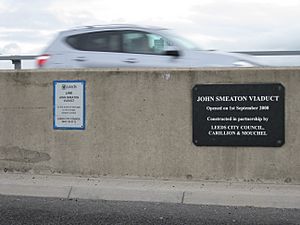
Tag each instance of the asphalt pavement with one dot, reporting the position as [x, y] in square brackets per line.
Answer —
[41, 211]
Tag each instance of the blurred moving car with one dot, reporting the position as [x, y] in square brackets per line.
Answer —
[131, 46]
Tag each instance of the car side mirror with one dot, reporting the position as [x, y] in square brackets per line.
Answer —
[172, 51]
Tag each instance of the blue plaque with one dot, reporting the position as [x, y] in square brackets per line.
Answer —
[69, 104]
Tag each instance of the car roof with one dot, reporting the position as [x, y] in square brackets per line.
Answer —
[86, 29]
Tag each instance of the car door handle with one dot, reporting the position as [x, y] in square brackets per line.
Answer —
[131, 60]
[80, 59]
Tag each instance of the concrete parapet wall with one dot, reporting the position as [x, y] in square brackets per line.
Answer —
[138, 123]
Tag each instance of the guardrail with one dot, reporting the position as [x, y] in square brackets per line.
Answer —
[269, 53]
[17, 59]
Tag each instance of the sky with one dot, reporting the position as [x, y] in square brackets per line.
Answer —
[28, 26]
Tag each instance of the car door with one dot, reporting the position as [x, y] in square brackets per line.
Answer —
[144, 49]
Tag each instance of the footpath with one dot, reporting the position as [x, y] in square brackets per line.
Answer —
[170, 191]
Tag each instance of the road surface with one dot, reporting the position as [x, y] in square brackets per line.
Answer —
[41, 211]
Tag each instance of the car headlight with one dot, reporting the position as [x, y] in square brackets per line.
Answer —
[243, 64]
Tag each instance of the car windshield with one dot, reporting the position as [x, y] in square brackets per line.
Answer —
[184, 43]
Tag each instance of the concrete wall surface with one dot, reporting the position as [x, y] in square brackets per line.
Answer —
[138, 123]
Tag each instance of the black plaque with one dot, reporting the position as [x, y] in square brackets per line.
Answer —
[238, 115]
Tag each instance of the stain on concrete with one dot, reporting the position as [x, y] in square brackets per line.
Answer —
[17, 154]
[288, 180]
[189, 177]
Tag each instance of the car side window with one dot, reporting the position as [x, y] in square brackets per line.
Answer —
[144, 43]
[107, 41]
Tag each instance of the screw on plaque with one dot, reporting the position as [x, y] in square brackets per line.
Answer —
[279, 142]
[195, 88]
[280, 87]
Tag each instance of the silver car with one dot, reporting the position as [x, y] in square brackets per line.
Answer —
[131, 46]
